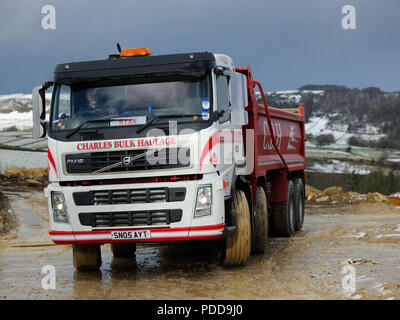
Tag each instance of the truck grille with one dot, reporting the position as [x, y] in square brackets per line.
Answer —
[129, 196]
[130, 218]
[91, 162]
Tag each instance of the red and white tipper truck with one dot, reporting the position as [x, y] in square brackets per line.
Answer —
[168, 148]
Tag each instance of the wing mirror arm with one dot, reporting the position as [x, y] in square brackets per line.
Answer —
[39, 110]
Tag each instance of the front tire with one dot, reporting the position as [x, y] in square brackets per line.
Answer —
[238, 246]
[87, 257]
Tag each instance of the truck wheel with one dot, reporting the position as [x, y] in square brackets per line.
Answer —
[283, 214]
[86, 256]
[123, 250]
[260, 222]
[299, 203]
[238, 246]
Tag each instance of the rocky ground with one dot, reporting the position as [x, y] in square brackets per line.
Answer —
[337, 195]
[7, 219]
[23, 177]
[18, 179]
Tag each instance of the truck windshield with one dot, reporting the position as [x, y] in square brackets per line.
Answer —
[130, 103]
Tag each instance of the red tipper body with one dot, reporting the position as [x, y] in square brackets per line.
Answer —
[289, 132]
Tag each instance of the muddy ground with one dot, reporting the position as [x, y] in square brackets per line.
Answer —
[307, 266]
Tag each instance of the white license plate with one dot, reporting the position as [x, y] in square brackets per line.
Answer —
[130, 235]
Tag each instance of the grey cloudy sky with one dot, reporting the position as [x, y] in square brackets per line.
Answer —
[287, 43]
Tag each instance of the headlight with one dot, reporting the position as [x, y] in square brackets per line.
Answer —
[204, 200]
[59, 208]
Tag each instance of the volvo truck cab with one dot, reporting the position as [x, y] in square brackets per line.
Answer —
[144, 148]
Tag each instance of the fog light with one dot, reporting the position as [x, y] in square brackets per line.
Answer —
[204, 200]
[58, 206]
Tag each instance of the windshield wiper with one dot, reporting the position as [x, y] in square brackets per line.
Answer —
[150, 122]
[85, 123]
[164, 116]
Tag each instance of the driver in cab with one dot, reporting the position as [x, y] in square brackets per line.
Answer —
[98, 101]
[92, 100]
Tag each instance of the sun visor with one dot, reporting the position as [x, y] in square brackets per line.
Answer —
[125, 67]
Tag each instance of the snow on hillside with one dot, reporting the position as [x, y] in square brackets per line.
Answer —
[20, 96]
[16, 111]
[21, 121]
[292, 97]
[321, 123]
[14, 96]
[318, 125]
[289, 93]
[337, 166]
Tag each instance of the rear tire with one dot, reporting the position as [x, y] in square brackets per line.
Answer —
[123, 250]
[260, 222]
[238, 246]
[87, 257]
[299, 203]
[283, 214]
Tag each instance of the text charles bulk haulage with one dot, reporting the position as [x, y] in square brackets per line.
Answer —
[130, 143]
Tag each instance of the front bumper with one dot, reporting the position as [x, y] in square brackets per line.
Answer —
[156, 235]
[188, 228]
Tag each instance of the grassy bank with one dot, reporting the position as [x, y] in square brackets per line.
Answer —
[376, 181]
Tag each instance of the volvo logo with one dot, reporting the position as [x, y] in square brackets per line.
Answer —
[126, 161]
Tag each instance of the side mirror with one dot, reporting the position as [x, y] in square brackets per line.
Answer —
[39, 111]
[239, 117]
[239, 99]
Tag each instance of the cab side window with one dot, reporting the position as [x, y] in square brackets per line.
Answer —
[64, 102]
[62, 105]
